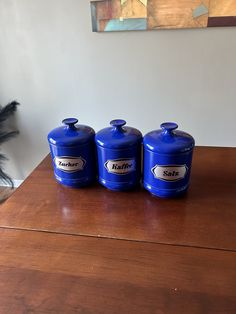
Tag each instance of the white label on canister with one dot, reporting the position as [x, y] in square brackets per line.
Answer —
[69, 164]
[169, 173]
[120, 166]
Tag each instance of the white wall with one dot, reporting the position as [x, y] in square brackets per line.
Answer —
[53, 64]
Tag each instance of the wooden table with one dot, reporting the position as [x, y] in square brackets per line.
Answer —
[92, 250]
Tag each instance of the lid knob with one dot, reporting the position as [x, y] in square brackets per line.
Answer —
[117, 124]
[70, 122]
[169, 127]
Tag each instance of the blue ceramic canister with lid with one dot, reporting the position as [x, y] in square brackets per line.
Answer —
[73, 153]
[167, 160]
[119, 156]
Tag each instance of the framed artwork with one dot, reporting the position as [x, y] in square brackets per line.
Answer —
[125, 15]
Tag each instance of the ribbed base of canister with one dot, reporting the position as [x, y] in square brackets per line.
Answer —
[118, 186]
[166, 193]
[75, 183]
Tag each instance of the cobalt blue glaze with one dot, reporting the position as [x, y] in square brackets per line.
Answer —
[119, 156]
[167, 161]
[73, 153]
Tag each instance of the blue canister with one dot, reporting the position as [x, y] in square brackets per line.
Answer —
[73, 153]
[167, 160]
[119, 156]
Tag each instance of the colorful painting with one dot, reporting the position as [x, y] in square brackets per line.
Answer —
[124, 15]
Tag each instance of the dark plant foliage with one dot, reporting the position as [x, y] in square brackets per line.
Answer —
[5, 113]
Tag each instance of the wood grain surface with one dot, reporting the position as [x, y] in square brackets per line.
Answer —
[175, 14]
[95, 251]
[205, 217]
[53, 273]
[222, 8]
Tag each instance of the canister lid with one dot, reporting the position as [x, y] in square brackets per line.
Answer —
[71, 134]
[168, 140]
[118, 135]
